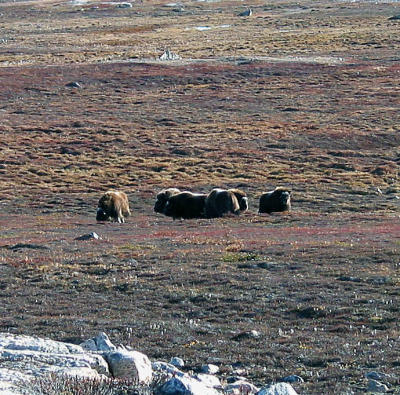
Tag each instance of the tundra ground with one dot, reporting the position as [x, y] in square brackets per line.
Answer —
[304, 96]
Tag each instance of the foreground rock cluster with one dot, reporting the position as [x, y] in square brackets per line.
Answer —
[24, 359]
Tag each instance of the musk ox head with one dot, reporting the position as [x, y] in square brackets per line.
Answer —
[114, 206]
[220, 202]
[185, 205]
[242, 199]
[162, 198]
[275, 201]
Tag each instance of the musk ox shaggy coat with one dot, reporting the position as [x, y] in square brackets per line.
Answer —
[223, 201]
[275, 201]
[113, 205]
[185, 205]
[162, 198]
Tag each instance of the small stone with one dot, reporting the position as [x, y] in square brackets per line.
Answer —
[73, 84]
[185, 386]
[248, 12]
[240, 387]
[177, 362]
[209, 369]
[293, 379]
[375, 375]
[377, 387]
[124, 5]
[89, 236]
[253, 334]
[169, 55]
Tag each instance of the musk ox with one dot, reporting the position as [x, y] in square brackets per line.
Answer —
[223, 201]
[185, 205]
[274, 201]
[113, 205]
[162, 198]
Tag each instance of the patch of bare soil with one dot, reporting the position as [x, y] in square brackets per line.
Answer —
[301, 96]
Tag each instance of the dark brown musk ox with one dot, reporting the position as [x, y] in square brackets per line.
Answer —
[277, 200]
[114, 206]
[162, 198]
[185, 205]
[223, 201]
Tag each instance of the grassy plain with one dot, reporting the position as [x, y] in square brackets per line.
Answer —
[303, 95]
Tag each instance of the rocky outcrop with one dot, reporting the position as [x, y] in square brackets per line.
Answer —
[24, 358]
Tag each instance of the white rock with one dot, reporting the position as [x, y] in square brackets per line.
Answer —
[169, 55]
[99, 343]
[177, 362]
[377, 387]
[10, 380]
[240, 387]
[130, 364]
[210, 369]
[30, 361]
[23, 358]
[167, 368]
[277, 389]
[209, 380]
[124, 5]
[9, 341]
[89, 236]
[186, 386]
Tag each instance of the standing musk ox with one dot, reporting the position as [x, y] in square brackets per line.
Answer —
[185, 205]
[275, 201]
[162, 198]
[113, 205]
[223, 201]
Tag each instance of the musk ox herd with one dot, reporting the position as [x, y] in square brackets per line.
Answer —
[114, 205]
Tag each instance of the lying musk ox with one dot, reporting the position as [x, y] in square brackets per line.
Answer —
[274, 201]
[185, 205]
[223, 201]
[113, 205]
[162, 198]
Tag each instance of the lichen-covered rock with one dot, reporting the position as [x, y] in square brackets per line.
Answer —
[240, 387]
[277, 389]
[209, 380]
[23, 358]
[377, 387]
[210, 369]
[99, 343]
[186, 385]
[178, 362]
[165, 367]
[131, 365]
